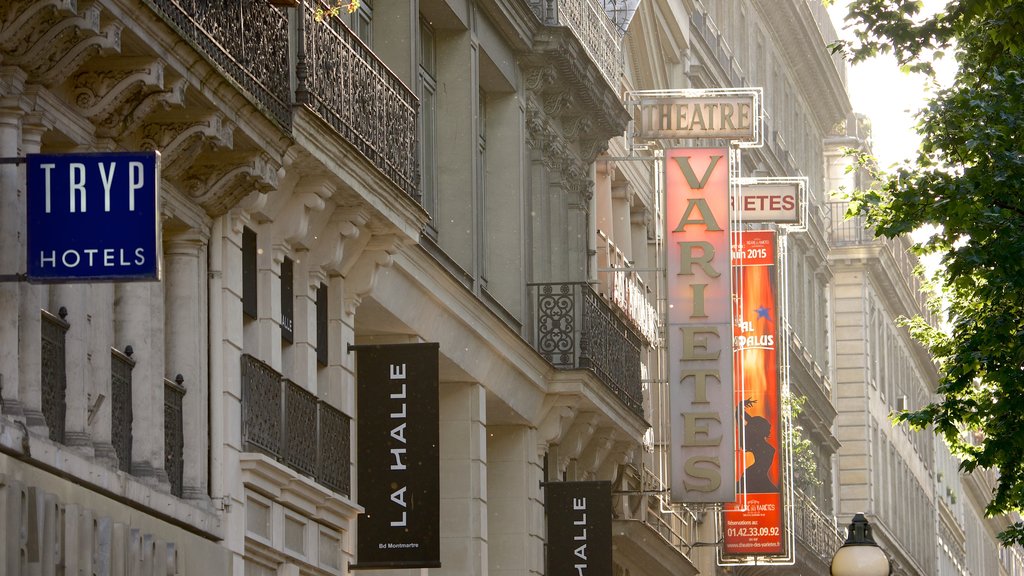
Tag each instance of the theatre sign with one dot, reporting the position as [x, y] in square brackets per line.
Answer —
[732, 115]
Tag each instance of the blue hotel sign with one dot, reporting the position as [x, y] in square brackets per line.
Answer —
[93, 217]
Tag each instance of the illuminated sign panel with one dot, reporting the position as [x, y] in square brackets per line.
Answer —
[779, 203]
[717, 116]
[700, 324]
[753, 523]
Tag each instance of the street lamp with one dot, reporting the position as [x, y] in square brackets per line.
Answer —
[859, 555]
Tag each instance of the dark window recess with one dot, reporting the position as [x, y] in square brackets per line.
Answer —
[54, 378]
[249, 304]
[288, 300]
[121, 407]
[321, 324]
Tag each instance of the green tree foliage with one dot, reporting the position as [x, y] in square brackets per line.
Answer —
[968, 180]
[805, 466]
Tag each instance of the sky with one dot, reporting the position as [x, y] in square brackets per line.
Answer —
[887, 96]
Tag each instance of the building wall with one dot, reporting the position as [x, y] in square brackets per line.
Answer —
[426, 171]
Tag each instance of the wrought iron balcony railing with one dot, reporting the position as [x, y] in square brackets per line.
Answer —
[854, 232]
[328, 69]
[644, 499]
[575, 328]
[121, 414]
[53, 379]
[815, 529]
[174, 434]
[592, 27]
[287, 423]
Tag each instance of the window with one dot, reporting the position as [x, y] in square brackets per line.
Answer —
[362, 21]
[249, 303]
[288, 300]
[427, 88]
[481, 182]
[321, 324]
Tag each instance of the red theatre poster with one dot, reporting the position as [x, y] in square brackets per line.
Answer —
[753, 523]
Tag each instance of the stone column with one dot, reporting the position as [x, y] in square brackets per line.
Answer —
[268, 259]
[303, 348]
[100, 340]
[338, 383]
[12, 227]
[621, 234]
[72, 297]
[32, 296]
[139, 323]
[464, 541]
[185, 350]
[515, 513]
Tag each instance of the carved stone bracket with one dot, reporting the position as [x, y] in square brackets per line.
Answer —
[292, 221]
[99, 92]
[363, 275]
[217, 187]
[341, 241]
[538, 78]
[180, 143]
[557, 416]
[63, 63]
[133, 112]
[41, 28]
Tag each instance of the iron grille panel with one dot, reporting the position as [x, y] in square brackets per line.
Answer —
[121, 408]
[174, 436]
[300, 429]
[556, 324]
[246, 39]
[334, 448]
[351, 89]
[261, 407]
[576, 328]
[54, 374]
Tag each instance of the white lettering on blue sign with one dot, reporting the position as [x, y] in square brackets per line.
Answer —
[77, 184]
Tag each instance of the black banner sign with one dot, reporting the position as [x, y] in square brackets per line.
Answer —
[579, 528]
[399, 466]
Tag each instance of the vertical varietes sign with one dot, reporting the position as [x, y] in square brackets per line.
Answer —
[700, 324]
[398, 465]
[579, 528]
[753, 523]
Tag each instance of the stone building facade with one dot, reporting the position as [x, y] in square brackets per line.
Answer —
[449, 171]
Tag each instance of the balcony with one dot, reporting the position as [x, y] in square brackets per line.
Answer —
[328, 70]
[815, 531]
[574, 328]
[292, 426]
[625, 289]
[895, 252]
[642, 514]
[593, 28]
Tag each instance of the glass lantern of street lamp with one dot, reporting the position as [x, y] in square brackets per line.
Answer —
[859, 555]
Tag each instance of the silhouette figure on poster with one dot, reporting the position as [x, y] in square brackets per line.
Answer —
[755, 431]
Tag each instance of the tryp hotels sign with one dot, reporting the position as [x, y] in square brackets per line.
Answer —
[93, 217]
[732, 117]
[700, 324]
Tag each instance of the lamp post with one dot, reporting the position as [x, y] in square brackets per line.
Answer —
[859, 555]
